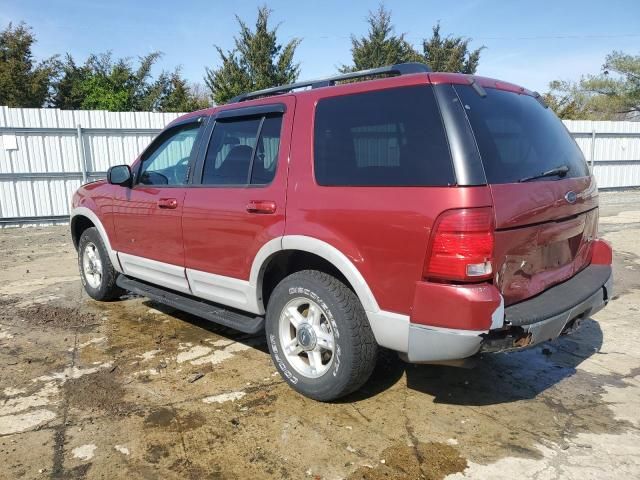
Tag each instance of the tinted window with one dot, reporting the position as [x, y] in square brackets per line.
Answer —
[233, 147]
[168, 163]
[230, 152]
[518, 137]
[389, 137]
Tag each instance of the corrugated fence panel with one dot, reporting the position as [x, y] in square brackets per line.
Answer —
[8, 205]
[613, 148]
[41, 154]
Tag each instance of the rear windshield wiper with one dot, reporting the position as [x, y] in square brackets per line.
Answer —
[560, 171]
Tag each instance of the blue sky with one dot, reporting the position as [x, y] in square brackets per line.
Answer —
[529, 43]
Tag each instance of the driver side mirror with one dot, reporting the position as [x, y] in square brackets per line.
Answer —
[120, 175]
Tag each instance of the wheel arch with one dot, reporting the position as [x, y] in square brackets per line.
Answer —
[390, 329]
[82, 218]
[331, 259]
[79, 224]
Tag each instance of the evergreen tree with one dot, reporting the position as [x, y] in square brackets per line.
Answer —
[380, 46]
[450, 54]
[179, 96]
[258, 61]
[103, 83]
[23, 82]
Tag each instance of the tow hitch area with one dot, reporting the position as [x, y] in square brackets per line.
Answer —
[510, 338]
[515, 338]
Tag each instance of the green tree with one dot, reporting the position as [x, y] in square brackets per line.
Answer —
[68, 91]
[565, 101]
[614, 94]
[450, 54]
[103, 83]
[23, 82]
[178, 96]
[258, 61]
[381, 46]
[117, 85]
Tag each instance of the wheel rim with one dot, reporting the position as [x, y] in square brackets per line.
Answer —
[92, 265]
[306, 337]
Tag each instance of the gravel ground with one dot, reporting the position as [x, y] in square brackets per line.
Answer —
[131, 389]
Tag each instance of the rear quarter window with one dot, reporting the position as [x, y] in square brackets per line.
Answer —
[391, 137]
[518, 137]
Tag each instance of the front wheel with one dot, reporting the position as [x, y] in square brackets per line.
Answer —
[96, 271]
[319, 336]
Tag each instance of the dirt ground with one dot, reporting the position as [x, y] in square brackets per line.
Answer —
[131, 389]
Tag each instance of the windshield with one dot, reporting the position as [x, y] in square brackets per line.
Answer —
[518, 137]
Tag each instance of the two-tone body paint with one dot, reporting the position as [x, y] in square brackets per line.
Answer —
[383, 232]
[222, 233]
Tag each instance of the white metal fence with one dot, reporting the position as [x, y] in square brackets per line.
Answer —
[612, 149]
[46, 154]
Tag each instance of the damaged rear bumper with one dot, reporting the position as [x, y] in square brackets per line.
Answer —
[556, 311]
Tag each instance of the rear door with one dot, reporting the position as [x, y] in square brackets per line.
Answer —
[148, 216]
[237, 201]
[543, 225]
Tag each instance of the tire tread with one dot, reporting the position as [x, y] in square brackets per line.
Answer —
[365, 347]
[109, 290]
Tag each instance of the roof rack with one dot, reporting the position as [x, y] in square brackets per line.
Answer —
[398, 69]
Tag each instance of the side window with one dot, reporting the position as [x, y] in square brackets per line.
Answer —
[168, 163]
[391, 137]
[242, 151]
[230, 152]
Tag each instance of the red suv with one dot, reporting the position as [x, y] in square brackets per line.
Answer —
[435, 214]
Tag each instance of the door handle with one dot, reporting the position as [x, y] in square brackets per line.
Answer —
[261, 206]
[169, 203]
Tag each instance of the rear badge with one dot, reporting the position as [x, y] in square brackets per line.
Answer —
[570, 197]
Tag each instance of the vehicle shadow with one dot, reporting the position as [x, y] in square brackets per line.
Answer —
[495, 378]
[491, 380]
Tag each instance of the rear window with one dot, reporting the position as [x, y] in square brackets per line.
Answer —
[518, 137]
[389, 137]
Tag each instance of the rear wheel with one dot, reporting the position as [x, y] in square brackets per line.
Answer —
[319, 336]
[96, 270]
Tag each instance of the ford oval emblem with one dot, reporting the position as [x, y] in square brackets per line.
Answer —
[571, 197]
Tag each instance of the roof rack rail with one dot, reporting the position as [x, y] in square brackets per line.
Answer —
[398, 69]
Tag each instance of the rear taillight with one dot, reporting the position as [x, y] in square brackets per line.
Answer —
[461, 247]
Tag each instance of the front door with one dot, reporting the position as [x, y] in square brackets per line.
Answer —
[237, 203]
[147, 216]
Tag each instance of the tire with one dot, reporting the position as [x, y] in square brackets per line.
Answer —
[322, 373]
[93, 259]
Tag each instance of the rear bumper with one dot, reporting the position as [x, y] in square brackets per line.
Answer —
[555, 311]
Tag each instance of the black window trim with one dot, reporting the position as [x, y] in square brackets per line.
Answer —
[236, 114]
[159, 140]
[468, 168]
[259, 110]
[255, 149]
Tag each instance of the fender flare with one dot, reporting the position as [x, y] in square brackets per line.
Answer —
[322, 249]
[390, 329]
[90, 214]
